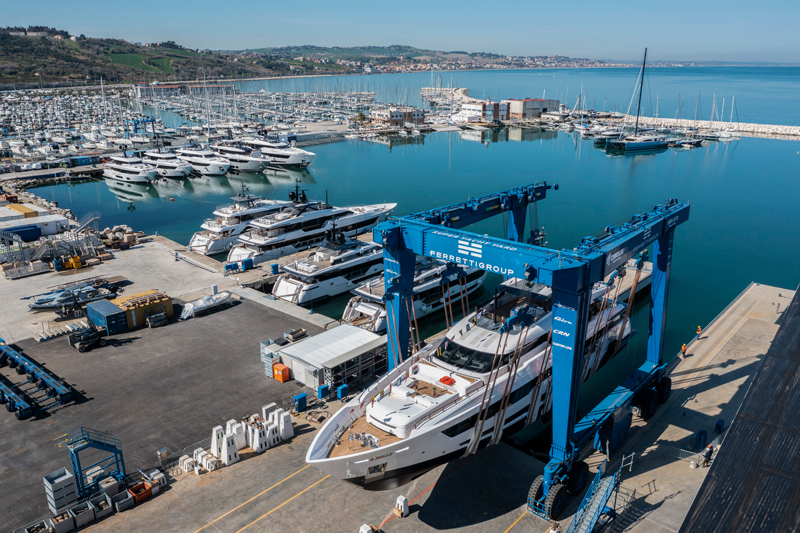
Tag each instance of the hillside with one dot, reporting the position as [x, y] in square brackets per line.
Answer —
[56, 58]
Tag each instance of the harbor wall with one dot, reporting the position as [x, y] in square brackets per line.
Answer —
[743, 128]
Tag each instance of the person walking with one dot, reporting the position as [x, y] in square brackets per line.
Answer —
[699, 331]
[707, 455]
[683, 350]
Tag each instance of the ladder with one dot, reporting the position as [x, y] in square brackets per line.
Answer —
[87, 220]
[595, 501]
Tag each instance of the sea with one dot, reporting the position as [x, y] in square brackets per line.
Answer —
[744, 194]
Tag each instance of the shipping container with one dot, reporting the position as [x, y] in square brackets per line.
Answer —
[27, 233]
[138, 306]
[103, 313]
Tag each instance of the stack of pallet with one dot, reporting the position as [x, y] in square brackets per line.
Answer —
[138, 306]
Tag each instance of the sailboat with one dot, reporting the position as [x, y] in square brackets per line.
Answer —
[637, 142]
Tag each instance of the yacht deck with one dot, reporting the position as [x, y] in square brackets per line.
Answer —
[345, 446]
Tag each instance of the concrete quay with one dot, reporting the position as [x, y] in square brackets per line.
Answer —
[743, 128]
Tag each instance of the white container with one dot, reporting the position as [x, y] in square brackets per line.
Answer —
[102, 505]
[83, 513]
[64, 524]
[122, 501]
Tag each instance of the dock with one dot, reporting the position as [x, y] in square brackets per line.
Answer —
[485, 492]
[58, 172]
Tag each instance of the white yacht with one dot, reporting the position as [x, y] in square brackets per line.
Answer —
[220, 233]
[205, 161]
[334, 268]
[428, 410]
[167, 164]
[368, 310]
[300, 226]
[281, 154]
[242, 158]
[130, 169]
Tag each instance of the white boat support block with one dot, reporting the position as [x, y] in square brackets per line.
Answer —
[230, 453]
[216, 441]
[285, 424]
[267, 409]
[402, 506]
[273, 435]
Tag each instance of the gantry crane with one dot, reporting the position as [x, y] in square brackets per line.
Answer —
[571, 274]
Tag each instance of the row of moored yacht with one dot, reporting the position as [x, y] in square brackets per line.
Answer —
[244, 155]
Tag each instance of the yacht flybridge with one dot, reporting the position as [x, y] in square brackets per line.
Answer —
[219, 233]
[368, 310]
[302, 225]
[281, 154]
[446, 400]
[334, 268]
[129, 169]
[167, 164]
[205, 161]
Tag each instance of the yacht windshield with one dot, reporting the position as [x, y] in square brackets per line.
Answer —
[460, 356]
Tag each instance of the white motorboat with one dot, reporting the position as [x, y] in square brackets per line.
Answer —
[219, 234]
[242, 158]
[368, 310]
[205, 161]
[334, 268]
[167, 164]
[129, 169]
[301, 226]
[280, 154]
[428, 410]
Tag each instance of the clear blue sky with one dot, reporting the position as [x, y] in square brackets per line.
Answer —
[732, 30]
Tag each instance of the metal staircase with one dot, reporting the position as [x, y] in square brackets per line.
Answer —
[87, 220]
[594, 503]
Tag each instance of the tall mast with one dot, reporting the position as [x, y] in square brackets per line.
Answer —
[641, 85]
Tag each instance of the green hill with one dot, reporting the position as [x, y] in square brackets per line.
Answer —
[25, 59]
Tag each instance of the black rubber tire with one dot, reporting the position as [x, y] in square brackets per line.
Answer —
[556, 500]
[535, 492]
[664, 389]
[102, 342]
[19, 416]
[81, 348]
[20, 370]
[650, 404]
[578, 477]
[2, 397]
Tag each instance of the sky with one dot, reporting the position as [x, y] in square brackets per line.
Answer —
[702, 30]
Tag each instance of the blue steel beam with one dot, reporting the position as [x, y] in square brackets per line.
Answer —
[33, 369]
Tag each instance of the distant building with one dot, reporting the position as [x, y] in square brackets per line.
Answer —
[529, 107]
[36, 34]
[397, 116]
[486, 111]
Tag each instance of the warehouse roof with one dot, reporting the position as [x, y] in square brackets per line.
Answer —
[328, 345]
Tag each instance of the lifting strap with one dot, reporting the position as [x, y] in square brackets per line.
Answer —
[548, 351]
[512, 371]
[488, 390]
[631, 300]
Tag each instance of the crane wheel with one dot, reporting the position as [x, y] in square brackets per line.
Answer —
[556, 500]
[81, 348]
[20, 370]
[535, 493]
[650, 404]
[10, 407]
[578, 477]
[664, 388]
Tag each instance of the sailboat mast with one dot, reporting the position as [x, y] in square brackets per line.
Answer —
[641, 85]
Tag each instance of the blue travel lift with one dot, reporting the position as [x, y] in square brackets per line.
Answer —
[20, 402]
[571, 275]
[88, 477]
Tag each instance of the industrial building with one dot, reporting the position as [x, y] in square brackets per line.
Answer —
[529, 107]
[397, 116]
[345, 355]
[482, 112]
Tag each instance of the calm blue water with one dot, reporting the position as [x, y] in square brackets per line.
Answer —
[765, 95]
[743, 224]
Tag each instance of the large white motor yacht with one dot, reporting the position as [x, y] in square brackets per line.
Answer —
[303, 225]
[334, 268]
[205, 161]
[431, 408]
[242, 158]
[167, 164]
[368, 310]
[219, 234]
[281, 154]
[130, 169]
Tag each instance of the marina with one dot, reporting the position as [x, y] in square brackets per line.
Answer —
[399, 307]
